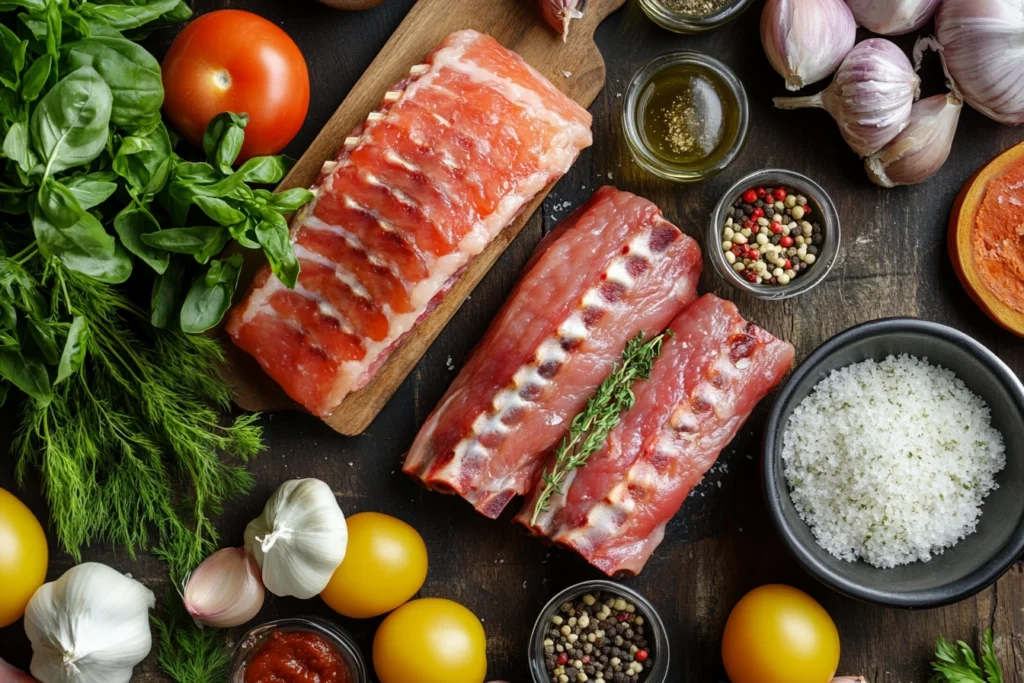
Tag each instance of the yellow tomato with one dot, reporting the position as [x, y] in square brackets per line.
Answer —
[384, 566]
[23, 557]
[778, 634]
[430, 641]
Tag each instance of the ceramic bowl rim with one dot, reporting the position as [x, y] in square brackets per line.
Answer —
[775, 487]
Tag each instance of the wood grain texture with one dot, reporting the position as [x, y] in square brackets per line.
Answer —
[894, 261]
[574, 66]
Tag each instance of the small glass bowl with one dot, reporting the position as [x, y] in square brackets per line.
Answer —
[339, 640]
[827, 216]
[634, 136]
[680, 22]
[656, 632]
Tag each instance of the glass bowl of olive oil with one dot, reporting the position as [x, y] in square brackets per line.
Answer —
[685, 116]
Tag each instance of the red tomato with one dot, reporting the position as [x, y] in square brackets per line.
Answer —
[230, 60]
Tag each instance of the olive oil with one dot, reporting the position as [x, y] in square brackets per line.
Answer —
[688, 117]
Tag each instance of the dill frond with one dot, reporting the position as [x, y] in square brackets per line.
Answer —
[187, 652]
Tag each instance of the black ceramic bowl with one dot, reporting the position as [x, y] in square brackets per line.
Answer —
[974, 562]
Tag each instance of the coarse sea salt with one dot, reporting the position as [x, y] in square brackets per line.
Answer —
[890, 461]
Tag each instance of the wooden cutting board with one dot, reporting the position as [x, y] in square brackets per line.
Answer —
[575, 67]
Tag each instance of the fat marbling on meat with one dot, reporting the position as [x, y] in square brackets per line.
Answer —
[702, 388]
[455, 152]
[613, 268]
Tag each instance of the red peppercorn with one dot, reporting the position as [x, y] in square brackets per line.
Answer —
[780, 193]
[776, 227]
[748, 224]
[641, 655]
[786, 241]
[788, 264]
[752, 277]
[758, 213]
[585, 659]
[563, 658]
[736, 249]
[749, 197]
[623, 616]
[760, 192]
[807, 210]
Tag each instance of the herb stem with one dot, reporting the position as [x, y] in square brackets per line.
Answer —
[603, 411]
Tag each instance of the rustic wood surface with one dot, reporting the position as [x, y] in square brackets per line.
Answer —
[575, 65]
[894, 262]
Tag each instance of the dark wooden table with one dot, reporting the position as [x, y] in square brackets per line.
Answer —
[893, 262]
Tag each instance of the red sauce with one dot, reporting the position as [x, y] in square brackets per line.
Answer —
[296, 657]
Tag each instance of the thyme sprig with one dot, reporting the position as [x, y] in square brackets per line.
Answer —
[590, 428]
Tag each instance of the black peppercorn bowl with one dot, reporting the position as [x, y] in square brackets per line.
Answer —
[656, 628]
[977, 560]
[822, 208]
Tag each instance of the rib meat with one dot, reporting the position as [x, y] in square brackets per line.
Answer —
[454, 154]
[611, 269]
[705, 384]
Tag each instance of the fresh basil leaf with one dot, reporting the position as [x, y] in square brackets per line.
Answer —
[10, 104]
[272, 233]
[54, 27]
[28, 374]
[77, 23]
[14, 200]
[124, 17]
[91, 189]
[70, 124]
[290, 200]
[219, 210]
[166, 296]
[209, 297]
[9, 5]
[35, 78]
[63, 229]
[204, 242]
[133, 224]
[144, 159]
[196, 170]
[245, 233]
[132, 73]
[18, 148]
[37, 27]
[12, 57]
[265, 170]
[233, 187]
[75, 349]
[222, 139]
[45, 343]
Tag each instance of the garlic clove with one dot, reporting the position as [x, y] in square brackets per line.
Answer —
[225, 590]
[892, 17]
[9, 674]
[806, 40]
[921, 149]
[870, 97]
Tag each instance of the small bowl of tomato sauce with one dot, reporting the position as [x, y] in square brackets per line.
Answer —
[297, 649]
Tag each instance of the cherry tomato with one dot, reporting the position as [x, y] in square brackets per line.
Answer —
[430, 641]
[231, 60]
[23, 557]
[385, 564]
[778, 634]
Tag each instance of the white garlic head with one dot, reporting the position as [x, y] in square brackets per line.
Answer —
[299, 540]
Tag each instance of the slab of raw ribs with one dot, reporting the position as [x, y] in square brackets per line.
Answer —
[702, 388]
[455, 152]
[613, 268]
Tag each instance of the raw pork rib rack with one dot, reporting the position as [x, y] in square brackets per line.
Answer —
[611, 269]
[456, 150]
[702, 388]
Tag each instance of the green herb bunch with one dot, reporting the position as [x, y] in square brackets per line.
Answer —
[590, 428]
[956, 663]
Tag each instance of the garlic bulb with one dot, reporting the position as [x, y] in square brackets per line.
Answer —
[982, 50]
[918, 152]
[806, 40]
[10, 674]
[89, 626]
[892, 17]
[870, 97]
[225, 590]
[300, 538]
